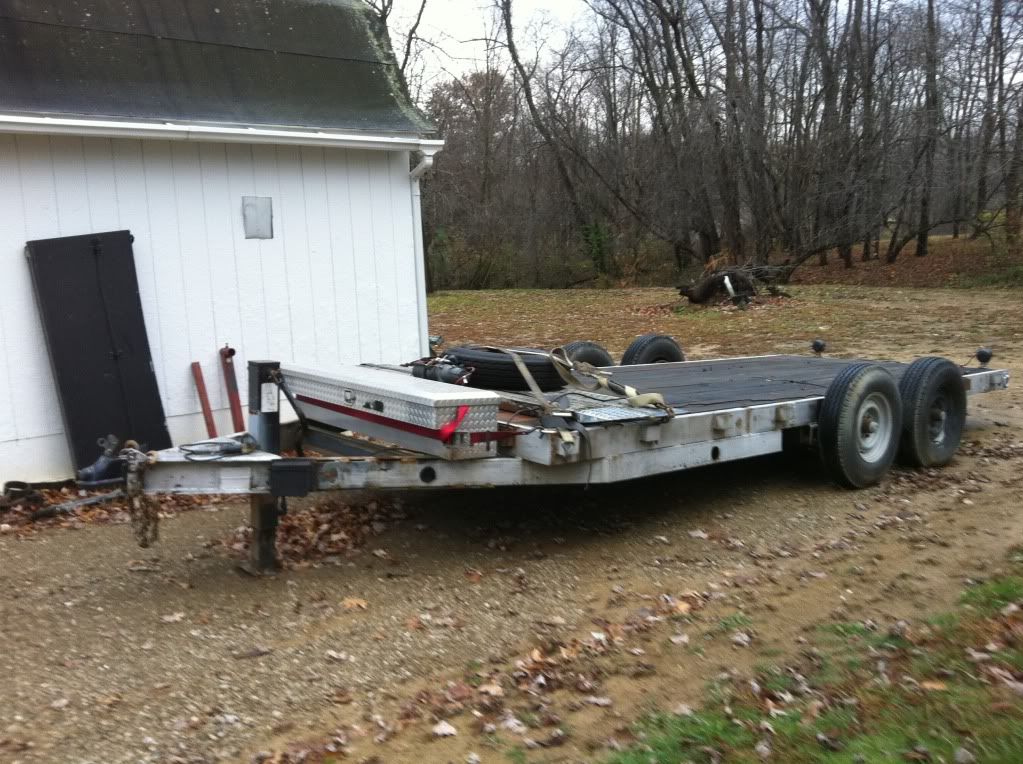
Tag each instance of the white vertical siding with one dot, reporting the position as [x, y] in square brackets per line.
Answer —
[12, 227]
[336, 283]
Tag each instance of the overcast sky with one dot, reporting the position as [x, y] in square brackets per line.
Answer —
[458, 26]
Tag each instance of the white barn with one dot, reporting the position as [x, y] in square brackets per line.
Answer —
[159, 116]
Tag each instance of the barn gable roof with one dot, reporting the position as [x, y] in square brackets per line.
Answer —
[313, 65]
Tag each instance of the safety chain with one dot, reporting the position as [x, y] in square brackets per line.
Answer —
[143, 509]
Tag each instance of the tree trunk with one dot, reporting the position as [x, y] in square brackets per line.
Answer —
[845, 252]
[893, 251]
[992, 113]
[1013, 180]
[931, 117]
[681, 251]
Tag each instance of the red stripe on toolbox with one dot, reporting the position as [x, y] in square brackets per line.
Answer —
[425, 432]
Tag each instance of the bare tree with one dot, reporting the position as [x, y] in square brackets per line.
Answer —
[409, 43]
[668, 134]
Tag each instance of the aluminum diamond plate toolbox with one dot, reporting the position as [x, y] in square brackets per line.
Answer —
[445, 420]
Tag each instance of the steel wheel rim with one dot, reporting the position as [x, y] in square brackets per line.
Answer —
[937, 419]
[874, 427]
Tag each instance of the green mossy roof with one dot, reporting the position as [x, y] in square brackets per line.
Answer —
[324, 64]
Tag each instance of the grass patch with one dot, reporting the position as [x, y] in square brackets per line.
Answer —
[1006, 277]
[667, 736]
[850, 635]
[992, 596]
[846, 629]
[733, 622]
[927, 702]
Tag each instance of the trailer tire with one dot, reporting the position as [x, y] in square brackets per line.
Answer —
[652, 348]
[589, 352]
[859, 424]
[495, 370]
[934, 406]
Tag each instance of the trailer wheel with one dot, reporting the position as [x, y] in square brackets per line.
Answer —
[494, 370]
[859, 424]
[934, 402]
[652, 348]
[588, 352]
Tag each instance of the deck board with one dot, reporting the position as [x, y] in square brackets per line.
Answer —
[699, 386]
[734, 382]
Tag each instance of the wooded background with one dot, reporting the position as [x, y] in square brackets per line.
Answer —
[663, 134]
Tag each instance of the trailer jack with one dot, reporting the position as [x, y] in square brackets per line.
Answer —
[264, 517]
[264, 509]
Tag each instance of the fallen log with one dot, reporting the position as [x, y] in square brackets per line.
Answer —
[714, 285]
[740, 285]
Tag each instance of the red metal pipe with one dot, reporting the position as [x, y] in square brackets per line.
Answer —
[204, 399]
[227, 364]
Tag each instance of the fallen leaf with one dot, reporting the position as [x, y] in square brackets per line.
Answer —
[552, 620]
[341, 697]
[814, 709]
[934, 685]
[512, 724]
[458, 692]
[1007, 679]
[741, 639]
[354, 603]
[830, 743]
[142, 566]
[473, 575]
[444, 729]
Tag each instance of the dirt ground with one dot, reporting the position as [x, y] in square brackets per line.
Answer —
[535, 624]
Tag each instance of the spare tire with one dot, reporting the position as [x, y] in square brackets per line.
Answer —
[496, 370]
[652, 348]
[588, 352]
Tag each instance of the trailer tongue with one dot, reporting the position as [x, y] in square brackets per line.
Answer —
[386, 428]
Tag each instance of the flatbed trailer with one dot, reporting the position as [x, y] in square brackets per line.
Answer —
[377, 427]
